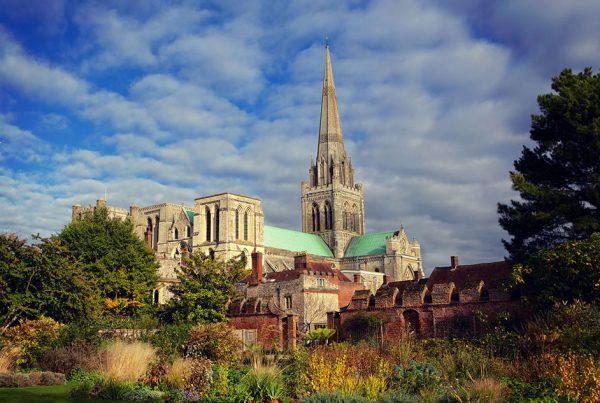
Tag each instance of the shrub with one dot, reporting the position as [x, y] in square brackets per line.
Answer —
[543, 390]
[264, 383]
[580, 377]
[458, 359]
[178, 373]
[200, 376]
[80, 332]
[215, 341]
[7, 381]
[171, 340]
[83, 383]
[155, 375]
[122, 362]
[293, 368]
[32, 336]
[334, 397]
[8, 358]
[417, 376]
[20, 379]
[143, 395]
[67, 359]
[399, 396]
[113, 390]
[323, 375]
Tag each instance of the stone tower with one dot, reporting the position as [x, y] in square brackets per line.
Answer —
[332, 204]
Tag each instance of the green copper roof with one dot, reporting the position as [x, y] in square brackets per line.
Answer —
[368, 244]
[190, 215]
[295, 241]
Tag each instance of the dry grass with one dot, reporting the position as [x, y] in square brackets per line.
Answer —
[125, 362]
[179, 372]
[8, 357]
[488, 390]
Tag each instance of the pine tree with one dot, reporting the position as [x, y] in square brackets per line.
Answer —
[558, 180]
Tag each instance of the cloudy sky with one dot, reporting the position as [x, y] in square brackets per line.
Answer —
[168, 101]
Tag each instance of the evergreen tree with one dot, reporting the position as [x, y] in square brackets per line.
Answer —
[205, 285]
[558, 180]
[114, 258]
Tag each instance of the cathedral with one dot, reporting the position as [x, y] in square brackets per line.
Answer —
[227, 225]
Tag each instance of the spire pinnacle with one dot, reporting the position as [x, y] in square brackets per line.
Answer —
[331, 141]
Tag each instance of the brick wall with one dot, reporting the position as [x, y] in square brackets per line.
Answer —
[269, 332]
[434, 320]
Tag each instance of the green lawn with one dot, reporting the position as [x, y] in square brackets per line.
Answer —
[41, 394]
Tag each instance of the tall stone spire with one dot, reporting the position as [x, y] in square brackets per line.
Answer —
[332, 204]
[331, 141]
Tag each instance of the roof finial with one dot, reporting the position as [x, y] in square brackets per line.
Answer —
[326, 41]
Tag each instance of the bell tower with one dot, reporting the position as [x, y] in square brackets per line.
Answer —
[332, 204]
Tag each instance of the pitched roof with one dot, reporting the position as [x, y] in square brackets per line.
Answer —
[190, 215]
[489, 273]
[295, 241]
[368, 244]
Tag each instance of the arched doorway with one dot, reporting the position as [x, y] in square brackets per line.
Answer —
[411, 321]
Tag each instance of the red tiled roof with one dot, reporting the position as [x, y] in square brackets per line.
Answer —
[490, 273]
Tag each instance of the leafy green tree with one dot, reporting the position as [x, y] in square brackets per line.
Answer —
[566, 272]
[558, 180]
[42, 279]
[205, 285]
[113, 257]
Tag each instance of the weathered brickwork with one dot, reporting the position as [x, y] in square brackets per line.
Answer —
[450, 302]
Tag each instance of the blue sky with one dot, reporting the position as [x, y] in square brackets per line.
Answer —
[168, 101]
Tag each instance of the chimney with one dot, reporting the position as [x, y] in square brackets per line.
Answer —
[300, 261]
[453, 262]
[256, 277]
[357, 278]
[100, 203]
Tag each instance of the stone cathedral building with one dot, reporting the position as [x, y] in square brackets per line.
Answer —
[226, 225]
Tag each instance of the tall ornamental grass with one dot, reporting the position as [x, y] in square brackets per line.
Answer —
[126, 362]
[8, 357]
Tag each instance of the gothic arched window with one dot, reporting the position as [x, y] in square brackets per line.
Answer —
[217, 222]
[316, 218]
[176, 233]
[328, 216]
[322, 172]
[156, 233]
[208, 222]
[237, 224]
[189, 231]
[246, 225]
[148, 233]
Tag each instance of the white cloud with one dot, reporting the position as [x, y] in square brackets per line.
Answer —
[435, 107]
